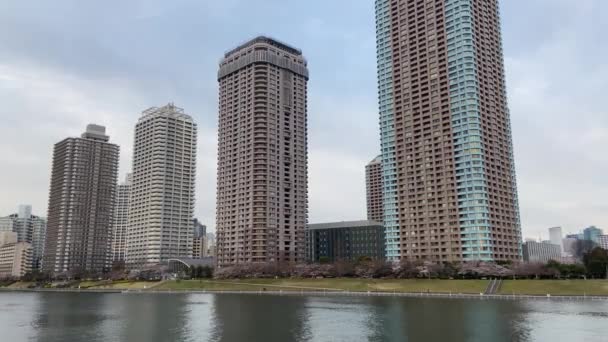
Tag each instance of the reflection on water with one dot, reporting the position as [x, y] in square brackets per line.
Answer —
[49, 317]
[281, 318]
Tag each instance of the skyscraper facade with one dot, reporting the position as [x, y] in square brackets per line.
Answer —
[81, 203]
[29, 228]
[447, 157]
[121, 220]
[262, 182]
[161, 203]
[373, 187]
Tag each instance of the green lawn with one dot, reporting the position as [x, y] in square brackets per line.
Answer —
[127, 285]
[555, 287]
[339, 284]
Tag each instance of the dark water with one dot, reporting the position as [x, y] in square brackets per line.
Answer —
[232, 318]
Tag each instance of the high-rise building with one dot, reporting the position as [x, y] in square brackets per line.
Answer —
[447, 157]
[81, 203]
[161, 203]
[556, 237]
[373, 187]
[592, 233]
[29, 228]
[262, 182]
[121, 220]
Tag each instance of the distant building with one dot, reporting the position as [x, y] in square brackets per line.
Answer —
[211, 245]
[81, 203]
[556, 237]
[29, 228]
[345, 241]
[373, 187]
[161, 205]
[15, 257]
[568, 244]
[603, 241]
[592, 234]
[541, 252]
[199, 247]
[199, 240]
[121, 220]
[200, 229]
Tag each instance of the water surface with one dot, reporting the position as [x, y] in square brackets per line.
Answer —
[90, 317]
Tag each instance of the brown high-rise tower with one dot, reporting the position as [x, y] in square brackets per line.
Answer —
[262, 181]
[81, 203]
[447, 157]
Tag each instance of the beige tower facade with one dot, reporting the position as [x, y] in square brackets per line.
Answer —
[373, 187]
[161, 202]
[262, 181]
[81, 203]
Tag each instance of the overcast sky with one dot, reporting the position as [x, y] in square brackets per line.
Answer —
[64, 64]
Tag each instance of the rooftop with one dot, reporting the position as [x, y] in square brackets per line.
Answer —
[376, 160]
[169, 109]
[267, 40]
[95, 132]
[345, 224]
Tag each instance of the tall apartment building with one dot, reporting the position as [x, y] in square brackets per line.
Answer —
[262, 182]
[556, 237]
[29, 228]
[447, 157]
[373, 187]
[121, 220]
[161, 204]
[81, 203]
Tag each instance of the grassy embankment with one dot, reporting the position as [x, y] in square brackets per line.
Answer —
[555, 287]
[518, 287]
[334, 284]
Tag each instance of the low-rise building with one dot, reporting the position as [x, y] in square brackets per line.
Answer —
[541, 251]
[29, 228]
[15, 257]
[349, 240]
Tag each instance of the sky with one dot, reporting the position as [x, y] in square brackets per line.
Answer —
[67, 63]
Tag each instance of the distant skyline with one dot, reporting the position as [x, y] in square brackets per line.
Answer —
[112, 60]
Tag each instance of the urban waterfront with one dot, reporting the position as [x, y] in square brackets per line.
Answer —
[233, 317]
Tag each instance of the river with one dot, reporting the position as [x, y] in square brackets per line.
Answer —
[234, 318]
